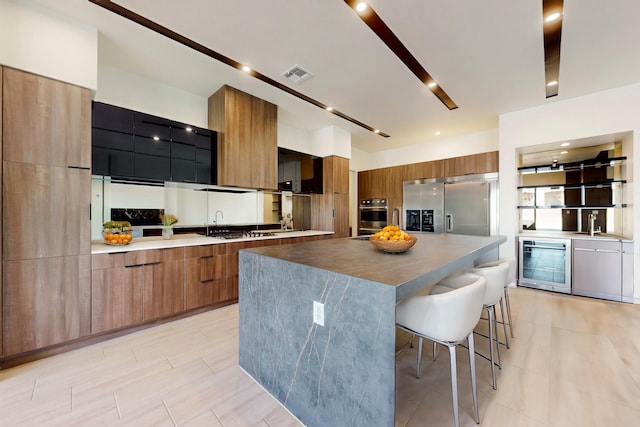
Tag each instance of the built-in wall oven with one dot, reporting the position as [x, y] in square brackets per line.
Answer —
[545, 263]
[374, 215]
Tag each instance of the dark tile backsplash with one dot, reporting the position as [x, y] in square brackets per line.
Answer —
[137, 216]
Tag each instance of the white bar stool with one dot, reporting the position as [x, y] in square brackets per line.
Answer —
[495, 277]
[447, 318]
[511, 278]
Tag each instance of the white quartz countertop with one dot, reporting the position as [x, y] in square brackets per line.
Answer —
[572, 235]
[180, 240]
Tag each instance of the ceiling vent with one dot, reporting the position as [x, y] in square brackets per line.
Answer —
[297, 74]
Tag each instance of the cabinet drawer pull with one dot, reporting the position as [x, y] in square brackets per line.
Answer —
[133, 265]
[152, 263]
[84, 168]
[207, 281]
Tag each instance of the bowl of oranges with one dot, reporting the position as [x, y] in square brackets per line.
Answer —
[393, 240]
[117, 232]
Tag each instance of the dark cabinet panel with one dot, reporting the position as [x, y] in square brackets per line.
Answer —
[183, 151]
[144, 145]
[152, 167]
[130, 144]
[112, 162]
[183, 170]
[151, 126]
[105, 116]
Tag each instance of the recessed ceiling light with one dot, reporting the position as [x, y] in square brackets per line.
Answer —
[376, 130]
[552, 17]
[564, 152]
[432, 84]
[360, 7]
[246, 69]
[552, 83]
[156, 138]
[437, 132]
[329, 108]
[565, 144]
[188, 129]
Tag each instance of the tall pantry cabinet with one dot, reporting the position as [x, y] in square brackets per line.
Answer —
[46, 235]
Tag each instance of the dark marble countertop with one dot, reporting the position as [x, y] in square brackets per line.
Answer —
[430, 259]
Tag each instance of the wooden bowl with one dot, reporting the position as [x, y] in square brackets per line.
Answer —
[393, 247]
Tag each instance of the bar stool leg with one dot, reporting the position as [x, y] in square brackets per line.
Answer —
[419, 357]
[508, 304]
[504, 324]
[472, 365]
[454, 384]
[493, 371]
[496, 336]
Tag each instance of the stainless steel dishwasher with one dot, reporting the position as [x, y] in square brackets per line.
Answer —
[597, 269]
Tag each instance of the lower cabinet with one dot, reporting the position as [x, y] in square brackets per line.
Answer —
[116, 290]
[597, 269]
[46, 301]
[205, 275]
[163, 283]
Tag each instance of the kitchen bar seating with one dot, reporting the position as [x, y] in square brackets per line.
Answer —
[447, 318]
[511, 278]
[495, 277]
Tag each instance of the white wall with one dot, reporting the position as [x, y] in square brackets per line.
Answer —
[604, 113]
[463, 145]
[36, 40]
[137, 93]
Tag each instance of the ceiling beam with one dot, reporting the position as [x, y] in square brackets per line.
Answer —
[552, 30]
[377, 25]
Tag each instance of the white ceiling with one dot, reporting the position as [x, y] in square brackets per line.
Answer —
[487, 55]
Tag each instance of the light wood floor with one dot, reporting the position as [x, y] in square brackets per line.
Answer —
[574, 362]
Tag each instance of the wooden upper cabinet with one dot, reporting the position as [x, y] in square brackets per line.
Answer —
[335, 173]
[45, 121]
[247, 139]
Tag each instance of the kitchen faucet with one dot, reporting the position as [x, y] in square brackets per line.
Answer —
[592, 224]
[215, 221]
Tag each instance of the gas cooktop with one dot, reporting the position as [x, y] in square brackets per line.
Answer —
[238, 234]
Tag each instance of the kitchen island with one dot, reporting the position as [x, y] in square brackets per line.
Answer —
[339, 371]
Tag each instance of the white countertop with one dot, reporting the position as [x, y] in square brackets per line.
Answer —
[572, 235]
[180, 240]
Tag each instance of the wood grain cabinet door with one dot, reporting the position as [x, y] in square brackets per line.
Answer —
[45, 211]
[163, 283]
[116, 293]
[46, 121]
[46, 301]
[205, 275]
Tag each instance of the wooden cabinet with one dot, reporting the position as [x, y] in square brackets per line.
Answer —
[205, 275]
[387, 182]
[46, 211]
[247, 139]
[163, 283]
[116, 290]
[46, 202]
[330, 210]
[45, 121]
[46, 302]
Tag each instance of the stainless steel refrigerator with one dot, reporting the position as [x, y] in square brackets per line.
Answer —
[458, 205]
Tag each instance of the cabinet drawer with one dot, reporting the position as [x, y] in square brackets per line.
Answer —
[155, 256]
[596, 245]
[204, 251]
[117, 259]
